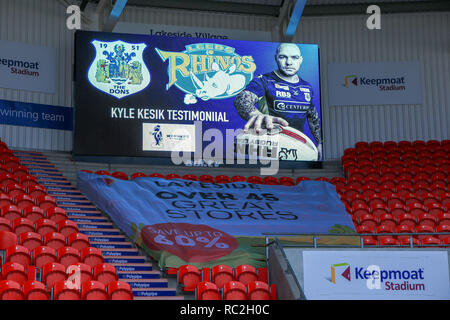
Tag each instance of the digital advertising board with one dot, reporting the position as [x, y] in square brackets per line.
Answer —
[175, 100]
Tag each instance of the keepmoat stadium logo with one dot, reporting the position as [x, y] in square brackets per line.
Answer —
[389, 279]
[208, 71]
[383, 84]
[118, 68]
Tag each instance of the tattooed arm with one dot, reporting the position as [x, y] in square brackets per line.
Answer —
[245, 106]
[314, 127]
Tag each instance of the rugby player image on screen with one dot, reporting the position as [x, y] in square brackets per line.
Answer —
[281, 98]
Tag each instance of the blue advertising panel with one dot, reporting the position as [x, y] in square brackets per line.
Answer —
[149, 96]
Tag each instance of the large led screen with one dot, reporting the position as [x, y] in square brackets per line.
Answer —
[166, 97]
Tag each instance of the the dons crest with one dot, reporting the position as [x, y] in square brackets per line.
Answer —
[118, 68]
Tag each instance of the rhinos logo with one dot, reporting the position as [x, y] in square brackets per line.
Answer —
[118, 68]
[208, 71]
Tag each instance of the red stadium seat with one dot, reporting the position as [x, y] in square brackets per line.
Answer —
[33, 213]
[119, 290]
[441, 229]
[10, 290]
[5, 225]
[286, 181]
[10, 212]
[43, 255]
[52, 273]
[407, 219]
[46, 202]
[222, 179]
[406, 241]
[19, 171]
[23, 200]
[381, 229]
[15, 189]
[93, 290]
[56, 214]
[258, 290]
[54, 240]
[206, 178]
[360, 145]
[103, 173]
[269, 180]
[427, 219]
[5, 200]
[14, 271]
[396, 209]
[30, 240]
[443, 218]
[78, 241]
[368, 220]
[416, 208]
[68, 256]
[21, 225]
[403, 228]
[7, 178]
[221, 274]
[120, 175]
[191, 177]
[430, 241]
[389, 241]
[67, 227]
[238, 179]
[138, 175]
[91, 256]
[64, 290]
[207, 291]
[423, 229]
[245, 274]
[388, 220]
[7, 239]
[44, 226]
[35, 290]
[360, 209]
[171, 176]
[188, 277]
[84, 272]
[156, 175]
[19, 254]
[254, 180]
[27, 180]
[105, 273]
[234, 290]
[36, 191]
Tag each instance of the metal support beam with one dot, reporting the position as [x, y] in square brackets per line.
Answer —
[114, 15]
[294, 18]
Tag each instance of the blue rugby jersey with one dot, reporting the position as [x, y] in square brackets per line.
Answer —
[290, 101]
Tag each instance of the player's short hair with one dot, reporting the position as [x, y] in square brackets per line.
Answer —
[286, 44]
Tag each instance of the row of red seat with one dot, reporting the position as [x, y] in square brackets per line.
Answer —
[268, 180]
[235, 290]
[64, 290]
[361, 145]
[188, 276]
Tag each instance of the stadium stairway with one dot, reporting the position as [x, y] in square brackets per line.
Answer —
[146, 282]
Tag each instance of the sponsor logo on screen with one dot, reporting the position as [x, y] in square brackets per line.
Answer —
[118, 68]
[168, 137]
[208, 71]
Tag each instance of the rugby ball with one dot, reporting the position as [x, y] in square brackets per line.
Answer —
[288, 144]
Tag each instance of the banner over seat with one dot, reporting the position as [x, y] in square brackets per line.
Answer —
[181, 221]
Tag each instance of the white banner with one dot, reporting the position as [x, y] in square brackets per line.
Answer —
[168, 137]
[191, 32]
[374, 83]
[375, 275]
[27, 67]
